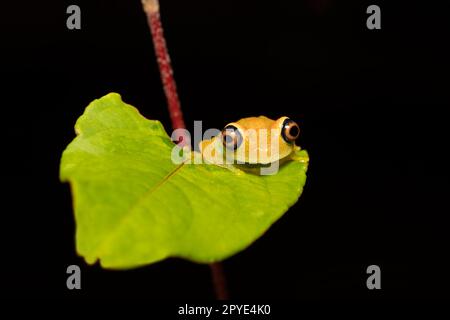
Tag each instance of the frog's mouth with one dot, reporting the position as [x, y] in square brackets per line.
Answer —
[262, 165]
[256, 168]
[252, 165]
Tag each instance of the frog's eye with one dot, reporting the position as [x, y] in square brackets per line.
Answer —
[290, 130]
[231, 137]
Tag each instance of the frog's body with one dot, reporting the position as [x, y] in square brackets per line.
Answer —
[252, 142]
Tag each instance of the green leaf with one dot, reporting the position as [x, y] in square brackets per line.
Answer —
[134, 206]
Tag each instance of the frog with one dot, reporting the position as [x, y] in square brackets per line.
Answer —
[252, 143]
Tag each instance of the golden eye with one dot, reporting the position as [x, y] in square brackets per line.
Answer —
[290, 130]
[231, 137]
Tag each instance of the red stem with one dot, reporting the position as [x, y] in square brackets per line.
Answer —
[151, 8]
[219, 281]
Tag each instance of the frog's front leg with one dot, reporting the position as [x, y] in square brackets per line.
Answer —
[300, 156]
[232, 168]
[211, 153]
[222, 163]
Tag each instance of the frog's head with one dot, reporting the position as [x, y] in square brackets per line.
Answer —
[259, 140]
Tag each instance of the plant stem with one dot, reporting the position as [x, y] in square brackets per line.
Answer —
[219, 281]
[151, 8]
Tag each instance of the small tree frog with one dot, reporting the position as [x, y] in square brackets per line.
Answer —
[252, 143]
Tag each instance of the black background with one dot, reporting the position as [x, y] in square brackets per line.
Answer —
[371, 104]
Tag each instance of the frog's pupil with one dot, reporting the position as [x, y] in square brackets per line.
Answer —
[231, 137]
[293, 131]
